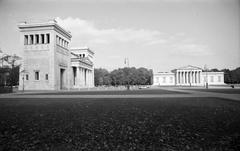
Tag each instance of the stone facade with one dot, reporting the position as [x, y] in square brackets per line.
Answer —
[188, 76]
[49, 63]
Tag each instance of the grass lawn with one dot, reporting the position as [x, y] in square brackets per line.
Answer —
[107, 92]
[120, 124]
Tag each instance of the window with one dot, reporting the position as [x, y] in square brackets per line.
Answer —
[31, 39]
[25, 39]
[37, 39]
[48, 39]
[212, 79]
[26, 76]
[42, 38]
[164, 79]
[61, 42]
[36, 75]
[46, 76]
[83, 55]
[219, 78]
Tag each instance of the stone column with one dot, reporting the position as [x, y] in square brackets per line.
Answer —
[193, 76]
[187, 77]
[93, 77]
[87, 77]
[197, 77]
[40, 39]
[181, 77]
[82, 79]
[185, 74]
[29, 37]
[176, 78]
[190, 77]
[45, 38]
[34, 39]
[77, 81]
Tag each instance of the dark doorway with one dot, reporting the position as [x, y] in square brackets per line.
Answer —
[62, 78]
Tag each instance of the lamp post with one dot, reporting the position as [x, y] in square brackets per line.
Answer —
[126, 62]
[23, 75]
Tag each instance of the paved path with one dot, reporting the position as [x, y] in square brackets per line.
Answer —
[197, 93]
[186, 93]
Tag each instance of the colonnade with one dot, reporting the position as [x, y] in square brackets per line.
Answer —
[60, 41]
[84, 77]
[33, 39]
[188, 77]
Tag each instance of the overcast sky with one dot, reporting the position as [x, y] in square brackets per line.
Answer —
[157, 34]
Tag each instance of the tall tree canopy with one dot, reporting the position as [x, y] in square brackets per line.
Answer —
[123, 76]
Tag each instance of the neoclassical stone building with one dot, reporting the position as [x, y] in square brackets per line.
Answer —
[48, 61]
[188, 76]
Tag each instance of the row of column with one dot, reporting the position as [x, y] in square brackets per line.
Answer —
[84, 77]
[188, 77]
[60, 41]
[36, 39]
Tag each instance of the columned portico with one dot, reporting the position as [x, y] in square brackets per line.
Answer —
[83, 77]
[188, 76]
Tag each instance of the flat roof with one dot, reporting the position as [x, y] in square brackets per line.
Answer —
[53, 23]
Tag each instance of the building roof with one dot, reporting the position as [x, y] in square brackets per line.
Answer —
[188, 67]
[24, 25]
[76, 58]
[82, 48]
[164, 73]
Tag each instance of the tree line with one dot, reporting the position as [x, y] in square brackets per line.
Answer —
[9, 76]
[123, 76]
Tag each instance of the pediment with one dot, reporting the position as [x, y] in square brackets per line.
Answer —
[189, 67]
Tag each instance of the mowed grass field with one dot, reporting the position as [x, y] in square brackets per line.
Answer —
[119, 124]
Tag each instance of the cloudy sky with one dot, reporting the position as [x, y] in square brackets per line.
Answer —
[157, 34]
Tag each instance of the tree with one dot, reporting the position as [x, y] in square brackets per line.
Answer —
[101, 77]
[231, 76]
[14, 72]
[123, 76]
